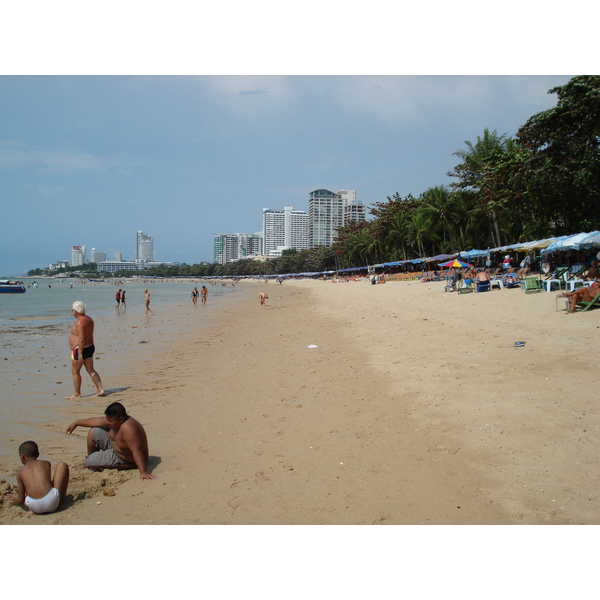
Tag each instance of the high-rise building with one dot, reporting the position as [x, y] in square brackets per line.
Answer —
[283, 229]
[328, 211]
[354, 212]
[77, 256]
[118, 256]
[145, 246]
[235, 246]
[96, 256]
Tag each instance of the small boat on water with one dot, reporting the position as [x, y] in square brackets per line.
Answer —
[8, 286]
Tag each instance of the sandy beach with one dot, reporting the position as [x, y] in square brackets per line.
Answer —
[415, 407]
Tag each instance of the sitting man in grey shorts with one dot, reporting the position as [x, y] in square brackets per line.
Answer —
[115, 441]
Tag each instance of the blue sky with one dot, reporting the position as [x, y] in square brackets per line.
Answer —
[93, 159]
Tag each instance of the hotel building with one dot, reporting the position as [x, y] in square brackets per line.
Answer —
[96, 256]
[329, 211]
[236, 246]
[284, 229]
[77, 256]
[145, 246]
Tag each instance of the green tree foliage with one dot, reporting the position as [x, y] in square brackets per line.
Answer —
[477, 174]
[558, 171]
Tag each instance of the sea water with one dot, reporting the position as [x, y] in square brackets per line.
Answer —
[35, 369]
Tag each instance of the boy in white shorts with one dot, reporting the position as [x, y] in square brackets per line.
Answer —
[36, 488]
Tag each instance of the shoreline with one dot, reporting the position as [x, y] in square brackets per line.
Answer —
[414, 408]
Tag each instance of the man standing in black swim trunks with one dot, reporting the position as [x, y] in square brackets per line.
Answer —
[81, 342]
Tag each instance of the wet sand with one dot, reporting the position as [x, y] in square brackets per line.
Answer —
[414, 408]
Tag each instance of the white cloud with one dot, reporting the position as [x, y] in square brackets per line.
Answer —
[46, 191]
[66, 162]
[14, 158]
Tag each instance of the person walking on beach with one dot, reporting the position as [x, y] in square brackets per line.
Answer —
[81, 342]
[118, 298]
[123, 298]
[204, 294]
[36, 488]
[147, 302]
[114, 441]
[195, 296]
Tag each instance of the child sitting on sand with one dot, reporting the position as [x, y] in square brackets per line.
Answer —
[35, 487]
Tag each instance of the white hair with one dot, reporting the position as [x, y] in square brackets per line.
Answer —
[79, 307]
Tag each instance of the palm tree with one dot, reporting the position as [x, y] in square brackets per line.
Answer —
[438, 205]
[478, 162]
[397, 233]
[421, 230]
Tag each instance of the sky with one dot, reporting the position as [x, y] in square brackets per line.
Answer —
[91, 159]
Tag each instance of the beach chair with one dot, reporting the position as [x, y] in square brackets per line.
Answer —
[462, 287]
[531, 285]
[508, 282]
[556, 277]
[483, 286]
[573, 277]
[595, 303]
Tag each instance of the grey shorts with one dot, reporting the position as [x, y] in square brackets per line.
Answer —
[105, 455]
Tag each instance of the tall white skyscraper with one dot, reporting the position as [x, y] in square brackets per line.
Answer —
[329, 211]
[145, 246]
[283, 229]
[77, 256]
[326, 212]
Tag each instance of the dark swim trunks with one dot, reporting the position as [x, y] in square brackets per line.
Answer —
[88, 352]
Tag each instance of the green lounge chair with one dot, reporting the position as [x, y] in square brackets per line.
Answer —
[556, 277]
[587, 305]
[532, 285]
[462, 287]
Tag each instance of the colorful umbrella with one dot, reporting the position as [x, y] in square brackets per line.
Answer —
[457, 264]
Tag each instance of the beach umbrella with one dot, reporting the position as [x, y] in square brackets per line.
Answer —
[438, 257]
[591, 240]
[457, 264]
[572, 242]
[475, 253]
[564, 242]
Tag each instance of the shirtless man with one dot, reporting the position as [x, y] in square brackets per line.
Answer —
[263, 298]
[81, 342]
[115, 441]
[593, 272]
[583, 294]
[36, 488]
[204, 294]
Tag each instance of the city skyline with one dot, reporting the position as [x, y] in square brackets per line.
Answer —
[94, 158]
